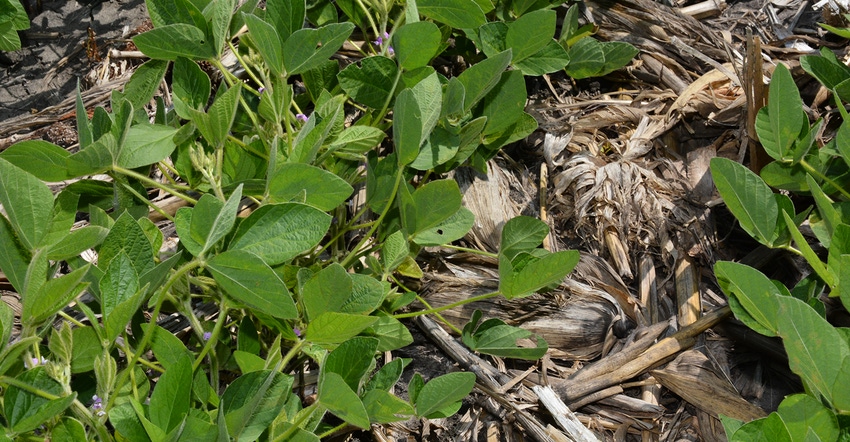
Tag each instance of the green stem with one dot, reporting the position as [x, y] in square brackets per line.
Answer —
[147, 202]
[368, 236]
[149, 331]
[291, 354]
[210, 343]
[157, 184]
[129, 352]
[333, 430]
[302, 417]
[245, 66]
[447, 306]
[70, 319]
[825, 178]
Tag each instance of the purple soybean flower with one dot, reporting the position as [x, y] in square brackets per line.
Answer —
[390, 50]
[301, 117]
[297, 331]
[207, 336]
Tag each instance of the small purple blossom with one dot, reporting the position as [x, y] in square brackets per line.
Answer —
[97, 404]
[35, 362]
[390, 50]
[386, 35]
[261, 89]
[297, 331]
[379, 41]
[207, 336]
[301, 117]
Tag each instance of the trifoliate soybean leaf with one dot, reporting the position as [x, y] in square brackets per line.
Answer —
[280, 232]
[490, 37]
[391, 333]
[443, 391]
[324, 190]
[753, 292]
[27, 410]
[802, 412]
[250, 281]
[480, 78]
[118, 284]
[352, 360]
[768, 429]
[530, 33]
[435, 202]
[251, 403]
[146, 144]
[367, 293]
[504, 104]
[28, 203]
[287, 17]
[407, 127]
[429, 97]
[53, 296]
[175, 40]
[416, 44]
[495, 337]
[441, 146]
[218, 15]
[144, 83]
[183, 225]
[536, 274]
[128, 237]
[586, 58]
[191, 85]
[216, 123]
[357, 139]
[9, 40]
[552, 58]
[779, 123]
[394, 251]
[370, 83]
[617, 55]
[267, 41]
[76, 242]
[383, 407]
[326, 291]
[387, 376]
[522, 234]
[308, 48]
[45, 160]
[168, 348]
[452, 229]
[212, 219]
[747, 197]
[67, 429]
[13, 257]
[455, 13]
[815, 350]
[341, 400]
[826, 68]
[169, 402]
[335, 328]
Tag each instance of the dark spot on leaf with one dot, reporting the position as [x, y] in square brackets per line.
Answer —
[439, 231]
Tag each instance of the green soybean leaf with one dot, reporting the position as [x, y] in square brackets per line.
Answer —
[287, 17]
[86, 347]
[435, 202]
[802, 412]
[146, 144]
[429, 95]
[779, 124]
[212, 219]
[747, 197]
[395, 250]
[250, 281]
[495, 337]
[811, 257]
[267, 40]
[453, 228]
[47, 161]
[25, 410]
[324, 190]
[407, 127]
[441, 146]
[536, 274]
[480, 78]
[383, 407]
[13, 257]
[334, 328]
[308, 48]
[76, 242]
[387, 376]
[252, 402]
[367, 293]
[167, 348]
[755, 295]
[769, 429]
[7, 318]
[68, 430]
[175, 40]
[455, 13]
[247, 338]
[505, 103]
[416, 44]
[191, 87]
[170, 399]
[126, 236]
[218, 14]
[280, 232]
[815, 349]
[144, 82]
[522, 234]
[443, 391]
[53, 295]
[589, 57]
[326, 291]
[826, 68]
[357, 140]
[28, 203]
[552, 58]
[391, 333]
[351, 360]
[341, 400]
[530, 33]
[371, 83]
[216, 123]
